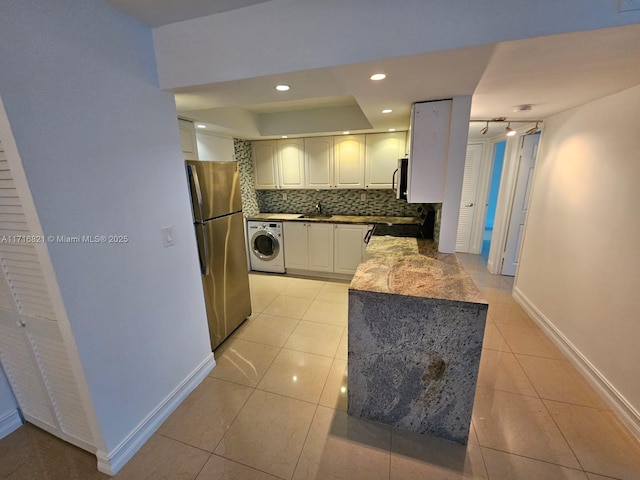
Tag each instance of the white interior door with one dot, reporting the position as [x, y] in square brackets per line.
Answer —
[526, 165]
[468, 200]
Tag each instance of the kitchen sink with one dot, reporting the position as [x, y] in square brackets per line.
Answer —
[315, 215]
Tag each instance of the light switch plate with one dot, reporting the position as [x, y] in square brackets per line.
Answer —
[168, 236]
[628, 5]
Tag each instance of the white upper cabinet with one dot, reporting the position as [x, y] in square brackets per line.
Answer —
[318, 153]
[349, 161]
[291, 162]
[430, 124]
[265, 164]
[382, 153]
[188, 139]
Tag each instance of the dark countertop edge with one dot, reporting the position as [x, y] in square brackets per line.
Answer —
[345, 219]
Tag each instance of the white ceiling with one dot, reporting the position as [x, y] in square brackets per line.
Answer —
[554, 73]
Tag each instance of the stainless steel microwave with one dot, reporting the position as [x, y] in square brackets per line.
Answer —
[399, 181]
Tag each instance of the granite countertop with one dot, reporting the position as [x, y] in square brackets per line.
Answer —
[353, 219]
[414, 267]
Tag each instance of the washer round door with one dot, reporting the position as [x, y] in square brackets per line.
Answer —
[265, 245]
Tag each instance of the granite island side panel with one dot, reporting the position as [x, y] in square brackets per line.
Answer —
[416, 324]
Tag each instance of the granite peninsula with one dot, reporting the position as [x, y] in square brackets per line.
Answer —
[416, 324]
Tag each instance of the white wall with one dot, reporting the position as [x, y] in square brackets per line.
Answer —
[100, 147]
[214, 147]
[580, 261]
[9, 416]
[289, 35]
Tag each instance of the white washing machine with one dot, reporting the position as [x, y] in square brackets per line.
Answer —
[266, 248]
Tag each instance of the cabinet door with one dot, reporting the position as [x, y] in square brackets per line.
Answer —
[429, 149]
[291, 162]
[382, 153]
[265, 168]
[296, 248]
[188, 139]
[349, 161]
[349, 247]
[318, 152]
[320, 247]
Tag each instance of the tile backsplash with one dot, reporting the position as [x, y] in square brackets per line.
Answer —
[335, 202]
[242, 155]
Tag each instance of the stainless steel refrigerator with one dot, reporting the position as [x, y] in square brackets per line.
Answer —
[219, 225]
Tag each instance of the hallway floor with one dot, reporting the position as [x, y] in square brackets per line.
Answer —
[274, 407]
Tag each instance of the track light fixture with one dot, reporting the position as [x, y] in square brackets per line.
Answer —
[532, 130]
[508, 130]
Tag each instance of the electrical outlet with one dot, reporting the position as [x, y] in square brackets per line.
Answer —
[628, 5]
[168, 236]
[363, 197]
[284, 196]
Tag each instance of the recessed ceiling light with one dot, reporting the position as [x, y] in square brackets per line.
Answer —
[378, 76]
[201, 125]
[282, 88]
[392, 130]
[346, 133]
[387, 110]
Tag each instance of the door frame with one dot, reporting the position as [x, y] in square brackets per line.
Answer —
[506, 196]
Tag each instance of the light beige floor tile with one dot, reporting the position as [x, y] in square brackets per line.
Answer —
[268, 433]
[506, 466]
[219, 468]
[339, 446]
[327, 312]
[304, 288]
[473, 436]
[204, 416]
[297, 375]
[529, 341]
[415, 456]
[334, 394]
[493, 339]
[559, 380]
[501, 371]
[268, 329]
[334, 292]
[519, 424]
[30, 453]
[162, 457]
[243, 362]
[342, 351]
[507, 314]
[599, 442]
[259, 300]
[313, 337]
[286, 306]
[267, 283]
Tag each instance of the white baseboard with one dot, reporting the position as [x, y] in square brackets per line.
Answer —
[10, 422]
[618, 403]
[111, 462]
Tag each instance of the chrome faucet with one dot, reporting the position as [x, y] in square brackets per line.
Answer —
[318, 208]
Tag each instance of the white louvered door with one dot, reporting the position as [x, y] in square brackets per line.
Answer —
[34, 353]
[468, 198]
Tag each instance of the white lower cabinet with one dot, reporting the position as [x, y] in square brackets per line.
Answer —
[324, 247]
[308, 246]
[349, 247]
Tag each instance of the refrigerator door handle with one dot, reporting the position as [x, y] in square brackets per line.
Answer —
[201, 234]
[203, 253]
[193, 178]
